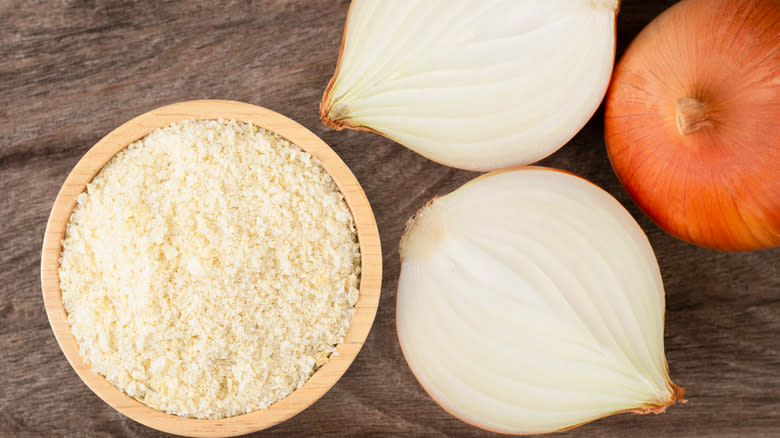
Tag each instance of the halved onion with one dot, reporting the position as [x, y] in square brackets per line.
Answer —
[473, 84]
[530, 301]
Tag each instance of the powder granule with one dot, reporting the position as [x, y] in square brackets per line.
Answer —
[209, 269]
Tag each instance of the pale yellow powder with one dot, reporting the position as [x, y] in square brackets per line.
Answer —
[209, 269]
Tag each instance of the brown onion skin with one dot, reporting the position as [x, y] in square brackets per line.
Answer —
[719, 185]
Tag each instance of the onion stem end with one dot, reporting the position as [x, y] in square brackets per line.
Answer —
[677, 395]
[692, 115]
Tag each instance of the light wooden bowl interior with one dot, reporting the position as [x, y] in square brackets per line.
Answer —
[325, 377]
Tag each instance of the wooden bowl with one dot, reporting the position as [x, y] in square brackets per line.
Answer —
[325, 377]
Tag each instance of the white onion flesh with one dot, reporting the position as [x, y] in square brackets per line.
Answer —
[530, 301]
[473, 84]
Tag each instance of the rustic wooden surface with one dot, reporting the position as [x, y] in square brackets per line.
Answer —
[70, 71]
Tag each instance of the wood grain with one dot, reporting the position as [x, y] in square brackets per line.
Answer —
[71, 71]
[370, 279]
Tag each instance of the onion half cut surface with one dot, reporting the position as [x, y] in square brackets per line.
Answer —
[473, 84]
[530, 301]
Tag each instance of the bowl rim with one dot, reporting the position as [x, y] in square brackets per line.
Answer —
[365, 224]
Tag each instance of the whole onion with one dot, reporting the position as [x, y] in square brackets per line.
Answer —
[692, 122]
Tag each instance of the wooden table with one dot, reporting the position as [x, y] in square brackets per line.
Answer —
[70, 71]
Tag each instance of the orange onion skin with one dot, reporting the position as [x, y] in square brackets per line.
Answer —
[692, 122]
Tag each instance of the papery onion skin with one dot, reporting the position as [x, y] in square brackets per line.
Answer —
[692, 122]
[439, 223]
[517, 141]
